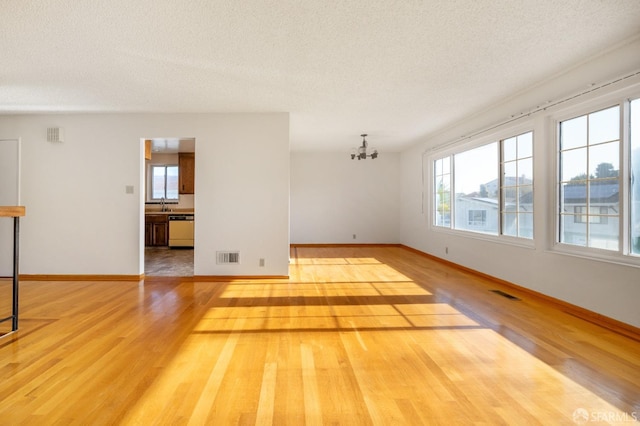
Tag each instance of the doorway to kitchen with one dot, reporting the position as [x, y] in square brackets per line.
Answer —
[169, 206]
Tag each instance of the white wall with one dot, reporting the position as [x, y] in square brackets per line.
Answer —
[334, 197]
[242, 189]
[607, 288]
[9, 186]
[80, 220]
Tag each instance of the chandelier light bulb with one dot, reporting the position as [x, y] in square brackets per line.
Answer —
[361, 151]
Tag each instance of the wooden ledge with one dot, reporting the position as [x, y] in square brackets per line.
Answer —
[12, 211]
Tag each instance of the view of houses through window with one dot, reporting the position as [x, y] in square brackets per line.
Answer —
[634, 131]
[489, 188]
[517, 186]
[492, 188]
[590, 179]
[475, 176]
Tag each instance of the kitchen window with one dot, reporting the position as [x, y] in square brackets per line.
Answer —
[164, 182]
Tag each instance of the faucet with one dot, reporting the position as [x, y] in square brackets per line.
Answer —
[163, 207]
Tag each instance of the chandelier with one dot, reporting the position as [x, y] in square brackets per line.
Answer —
[361, 152]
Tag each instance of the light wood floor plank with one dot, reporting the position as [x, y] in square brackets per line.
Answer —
[356, 335]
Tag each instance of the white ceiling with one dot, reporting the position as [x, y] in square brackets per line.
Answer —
[395, 69]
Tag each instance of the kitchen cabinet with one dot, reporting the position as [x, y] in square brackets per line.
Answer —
[186, 173]
[147, 149]
[156, 230]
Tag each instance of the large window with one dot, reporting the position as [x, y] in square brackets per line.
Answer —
[477, 190]
[590, 180]
[517, 186]
[489, 189]
[634, 132]
[164, 182]
[442, 191]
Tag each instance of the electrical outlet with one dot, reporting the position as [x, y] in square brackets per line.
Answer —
[446, 250]
[261, 261]
[354, 236]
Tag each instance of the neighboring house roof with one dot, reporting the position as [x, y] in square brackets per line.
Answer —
[510, 181]
[491, 201]
[527, 198]
[598, 193]
[573, 194]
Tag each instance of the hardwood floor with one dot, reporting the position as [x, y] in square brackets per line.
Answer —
[356, 335]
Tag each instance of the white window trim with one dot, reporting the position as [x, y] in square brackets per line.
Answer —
[499, 239]
[531, 130]
[149, 184]
[431, 194]
[622, 256]
[497, 135]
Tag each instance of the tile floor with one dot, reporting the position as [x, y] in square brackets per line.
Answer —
[168, 262]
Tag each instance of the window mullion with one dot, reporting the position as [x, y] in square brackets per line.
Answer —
[624, 179]
[588, 189]
[501, 184]
[166, 185]
[452, 198]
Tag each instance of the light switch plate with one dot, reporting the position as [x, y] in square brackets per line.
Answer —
[128, 189]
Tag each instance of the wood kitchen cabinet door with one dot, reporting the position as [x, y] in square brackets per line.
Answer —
[160, 234]
[156, 230]
[187, 169]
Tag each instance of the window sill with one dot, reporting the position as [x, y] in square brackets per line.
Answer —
[498, 239]
[596, 255]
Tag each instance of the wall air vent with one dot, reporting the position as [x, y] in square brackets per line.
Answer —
[55, 134]
[227, 257]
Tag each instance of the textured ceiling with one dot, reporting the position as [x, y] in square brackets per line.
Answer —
[396, 69]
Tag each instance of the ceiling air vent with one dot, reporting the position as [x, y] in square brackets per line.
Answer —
[227, 257]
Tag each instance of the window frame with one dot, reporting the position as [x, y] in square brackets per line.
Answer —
[627, 183]
[467, 226]
[150, 197]
[435, 176]
[624, 254]
[517, 187]
[589, 181]
[503, 133]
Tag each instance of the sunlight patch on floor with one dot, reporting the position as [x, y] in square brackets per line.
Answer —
[386, 288]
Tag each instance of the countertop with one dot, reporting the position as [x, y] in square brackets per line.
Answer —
[12, 211]
[174, 211]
